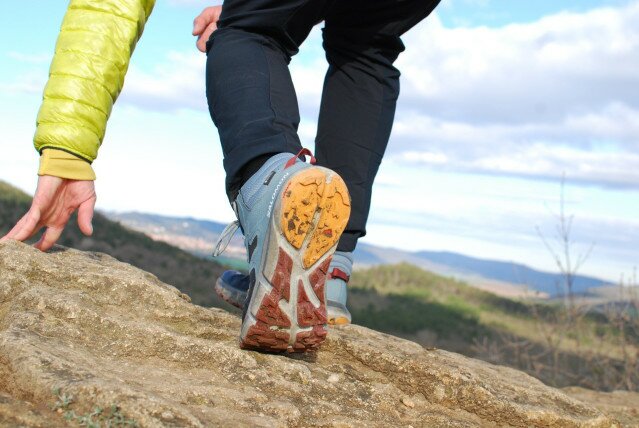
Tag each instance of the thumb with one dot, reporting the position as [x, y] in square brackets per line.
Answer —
[85, 216]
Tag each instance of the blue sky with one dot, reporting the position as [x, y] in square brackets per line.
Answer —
[499, 99]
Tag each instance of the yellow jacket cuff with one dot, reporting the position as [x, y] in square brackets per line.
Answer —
[64, 165]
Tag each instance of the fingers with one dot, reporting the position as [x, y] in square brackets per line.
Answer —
[54, 202]
[205, 24]
[201, 41]
[29, 224]
[14, 230]
[85, 216]
[199, 24]
[49, 237]
[202, 21]
[26, 227]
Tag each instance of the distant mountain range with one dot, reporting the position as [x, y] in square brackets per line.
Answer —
[505, 278]
[474, 270]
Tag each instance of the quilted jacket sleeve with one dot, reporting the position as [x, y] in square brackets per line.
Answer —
[87, 73]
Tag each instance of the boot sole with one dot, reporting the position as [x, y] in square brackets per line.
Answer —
[334, 317]
[337, 314]
[287, 309]
[228, 295]
[340, 320]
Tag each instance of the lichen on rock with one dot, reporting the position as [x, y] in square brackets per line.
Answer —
[110, 334]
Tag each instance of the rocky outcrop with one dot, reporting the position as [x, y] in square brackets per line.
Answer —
[624, 405]
[106, 333]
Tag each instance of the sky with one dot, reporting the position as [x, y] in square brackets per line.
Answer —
[500, 99]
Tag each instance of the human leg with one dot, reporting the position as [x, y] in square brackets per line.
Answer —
[362, 41]
[249, 90]
[291, 214]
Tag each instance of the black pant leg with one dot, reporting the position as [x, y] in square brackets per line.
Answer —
[249, 89]
[362, 41]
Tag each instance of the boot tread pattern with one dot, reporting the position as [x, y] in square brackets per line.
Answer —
[288, 313]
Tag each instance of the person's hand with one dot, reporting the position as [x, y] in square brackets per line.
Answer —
[205, 24]
[54, 202]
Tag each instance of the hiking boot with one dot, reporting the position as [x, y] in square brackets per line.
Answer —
[233, 287]
[292, 215]
[339, 273]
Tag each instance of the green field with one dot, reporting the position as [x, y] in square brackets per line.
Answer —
[587, 349]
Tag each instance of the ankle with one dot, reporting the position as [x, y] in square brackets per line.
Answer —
[247, 172]
[343, 261]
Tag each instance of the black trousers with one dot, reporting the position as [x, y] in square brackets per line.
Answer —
[253, 103]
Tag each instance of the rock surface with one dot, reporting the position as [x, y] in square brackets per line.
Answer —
[624, 405]
[108, 333]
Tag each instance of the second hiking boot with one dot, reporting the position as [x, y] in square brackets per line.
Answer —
[292, 215]
[339, 273]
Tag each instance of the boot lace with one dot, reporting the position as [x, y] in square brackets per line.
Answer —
[225, 238]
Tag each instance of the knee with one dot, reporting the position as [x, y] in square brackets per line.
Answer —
[376, 50]
[231, 39]
[276, 41]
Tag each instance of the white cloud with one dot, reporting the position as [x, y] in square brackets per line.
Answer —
[27, 83]
[177, 83]
[537, 99]
[41, 58]
[598, 147]
[541, 71]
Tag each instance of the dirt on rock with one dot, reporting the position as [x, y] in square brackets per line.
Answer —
[110, 336]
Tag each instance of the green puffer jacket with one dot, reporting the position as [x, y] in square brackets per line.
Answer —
[87, 73]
